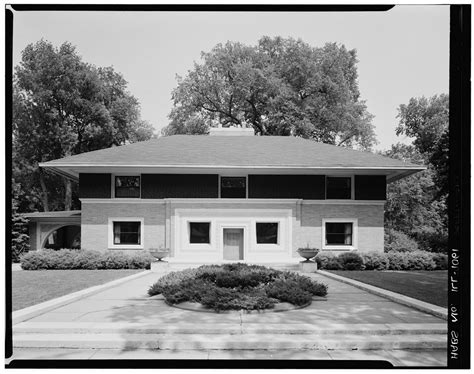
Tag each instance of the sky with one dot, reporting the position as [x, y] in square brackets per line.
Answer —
[402, 53]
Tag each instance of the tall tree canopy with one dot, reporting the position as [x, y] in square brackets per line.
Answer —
[64, 106]
[278, 87]
[417, 205]
[427, 121]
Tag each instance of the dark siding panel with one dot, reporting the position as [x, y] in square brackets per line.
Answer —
[370, 187]
[160, 186]
[95, 186]
[287, 186]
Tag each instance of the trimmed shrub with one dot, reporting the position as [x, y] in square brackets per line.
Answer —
[322, 259]
[397, 261]
[328, 261]
[421, 261]
[65, 259]
[288, 291]
[334, 264]
[236, 286]
[228, 299]
[351, 261]
[307, 284]
[172, 279]
[418, 260]
[441, 261]
[375, 261]
[397, 241]
[432, 240]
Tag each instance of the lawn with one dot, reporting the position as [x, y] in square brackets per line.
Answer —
[428, 286]
[34, 287]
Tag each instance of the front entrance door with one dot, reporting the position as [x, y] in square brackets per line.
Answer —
[233, 244]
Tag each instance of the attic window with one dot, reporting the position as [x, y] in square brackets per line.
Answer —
[127, 186]
[338, 188]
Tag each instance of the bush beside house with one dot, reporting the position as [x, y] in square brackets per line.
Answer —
[418, 260]
[82, 259]
[397, 241]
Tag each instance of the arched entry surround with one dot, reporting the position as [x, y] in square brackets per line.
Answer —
[63, 235]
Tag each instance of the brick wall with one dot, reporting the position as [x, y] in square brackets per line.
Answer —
[370, 224]
[94, 235]
[306, 221]
[32, 233]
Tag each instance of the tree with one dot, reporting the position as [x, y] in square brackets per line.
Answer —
[20, 239]
[413, 206]
[63, 106]
[278, 87]
[427, 121]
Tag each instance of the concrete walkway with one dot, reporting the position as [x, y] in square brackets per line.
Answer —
[126, 316]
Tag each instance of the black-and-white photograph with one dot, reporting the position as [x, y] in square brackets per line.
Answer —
[231, 184]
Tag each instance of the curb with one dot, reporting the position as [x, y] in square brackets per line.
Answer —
[432, 309]
[35, 310]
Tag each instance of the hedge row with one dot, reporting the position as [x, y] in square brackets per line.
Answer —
[418, 260]
[82, 259]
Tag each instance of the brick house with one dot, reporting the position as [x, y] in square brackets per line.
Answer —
[229, 196]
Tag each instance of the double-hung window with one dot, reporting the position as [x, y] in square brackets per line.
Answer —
[339, 234]
[126, 232]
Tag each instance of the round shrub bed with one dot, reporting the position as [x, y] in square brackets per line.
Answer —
[237, 286]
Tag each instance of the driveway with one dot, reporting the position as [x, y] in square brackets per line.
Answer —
[124, 317]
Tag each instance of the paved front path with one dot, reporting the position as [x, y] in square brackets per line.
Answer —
[345, 304]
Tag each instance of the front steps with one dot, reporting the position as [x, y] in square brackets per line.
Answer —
[229, 336]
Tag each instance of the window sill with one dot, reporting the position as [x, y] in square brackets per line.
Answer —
[131, 246]
[339, 248]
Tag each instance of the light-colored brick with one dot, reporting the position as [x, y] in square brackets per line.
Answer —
[94, 221]
[306, 219]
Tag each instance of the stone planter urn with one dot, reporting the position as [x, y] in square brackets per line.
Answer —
[308, 266]
[308, 253]
[159, 253]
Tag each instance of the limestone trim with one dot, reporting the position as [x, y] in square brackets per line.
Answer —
[110, 232]
[331, 247]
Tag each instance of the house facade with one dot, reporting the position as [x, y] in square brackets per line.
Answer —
[231, 196]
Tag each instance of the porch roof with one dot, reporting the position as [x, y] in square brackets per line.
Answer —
[66, 214]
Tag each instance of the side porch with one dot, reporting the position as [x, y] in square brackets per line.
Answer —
[54, 230]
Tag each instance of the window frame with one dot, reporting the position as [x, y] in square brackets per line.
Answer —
[340, 247]
[189, 232]
[219, 187]
[278, 232]
[339, 176]
[113, 187]
[111, 221]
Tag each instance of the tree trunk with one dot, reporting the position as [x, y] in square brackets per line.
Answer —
[67, 194]
[44, 194]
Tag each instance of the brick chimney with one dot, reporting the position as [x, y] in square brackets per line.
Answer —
[231, 131]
